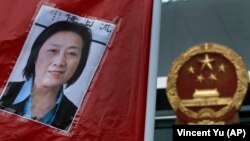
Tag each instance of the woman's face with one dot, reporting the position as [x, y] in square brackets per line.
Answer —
[58, 59]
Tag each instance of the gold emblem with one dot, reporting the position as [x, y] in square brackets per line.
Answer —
[206, 83]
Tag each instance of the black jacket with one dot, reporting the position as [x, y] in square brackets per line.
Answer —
[64, 115]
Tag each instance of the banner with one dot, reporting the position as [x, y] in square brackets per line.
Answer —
[111, 99]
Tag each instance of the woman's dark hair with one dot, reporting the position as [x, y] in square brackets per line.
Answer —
[79, 29]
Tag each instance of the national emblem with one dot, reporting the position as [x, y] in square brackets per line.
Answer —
[207, 84]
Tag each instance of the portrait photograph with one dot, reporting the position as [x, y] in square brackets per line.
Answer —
[55, 67]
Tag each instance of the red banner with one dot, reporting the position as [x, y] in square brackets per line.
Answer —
[114, 105]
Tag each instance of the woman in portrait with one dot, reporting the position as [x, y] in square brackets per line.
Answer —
[57, 59]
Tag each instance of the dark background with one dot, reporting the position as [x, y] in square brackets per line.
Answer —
[185, 23]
